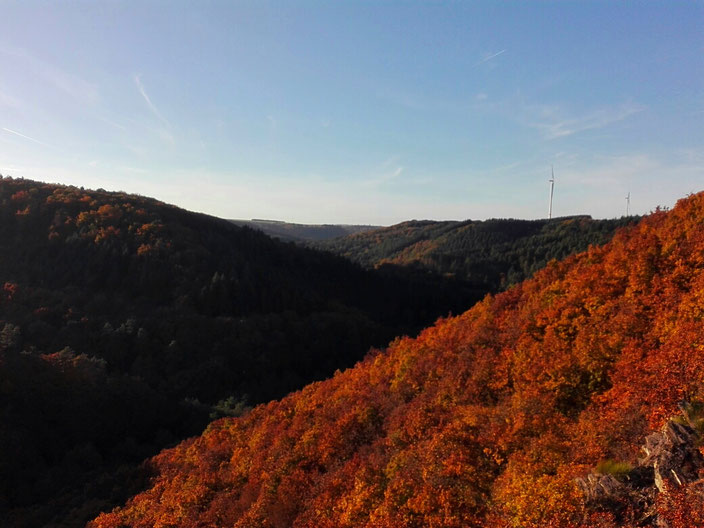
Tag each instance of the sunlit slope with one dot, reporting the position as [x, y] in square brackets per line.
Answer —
[484, 420]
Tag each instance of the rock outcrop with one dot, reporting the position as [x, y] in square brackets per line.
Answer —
[672, 459]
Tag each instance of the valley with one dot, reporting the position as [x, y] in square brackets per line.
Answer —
[128, 324]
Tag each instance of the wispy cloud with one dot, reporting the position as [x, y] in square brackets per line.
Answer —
[112, 123]
[554, 121]
[385, 172]
[25, 137]
[598, 185]
[609, 171]
[391, 160]
[164, 133]
[73, 85]
[490, 56]
[152, 106]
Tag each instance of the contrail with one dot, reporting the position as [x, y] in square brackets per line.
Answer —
[25, 137]
[490, 57]
[151, 105]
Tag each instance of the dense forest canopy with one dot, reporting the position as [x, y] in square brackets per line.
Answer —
[126, 324]
[488, 419]
[494, 253]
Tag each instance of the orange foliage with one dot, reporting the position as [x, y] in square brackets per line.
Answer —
[484, 419]
[109, 212]
[95, 216]
[20, 197]
[9, 290]
[144, 249]
[683, 507]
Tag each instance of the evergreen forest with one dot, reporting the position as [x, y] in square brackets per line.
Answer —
[493, 254]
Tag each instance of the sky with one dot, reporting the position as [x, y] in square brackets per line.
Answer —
[359, 112]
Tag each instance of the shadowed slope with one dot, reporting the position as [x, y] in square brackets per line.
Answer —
[303, 232]
[126, 323]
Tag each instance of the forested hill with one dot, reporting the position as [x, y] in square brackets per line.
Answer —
[489, 419]
[494, 253]
[79, 265]
[302, 233]
[126, 323]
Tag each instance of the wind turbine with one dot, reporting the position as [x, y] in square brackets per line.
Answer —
[552, 188]
[628, 203]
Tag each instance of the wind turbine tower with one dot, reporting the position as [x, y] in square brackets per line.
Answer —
[552, 188]
[628, 204]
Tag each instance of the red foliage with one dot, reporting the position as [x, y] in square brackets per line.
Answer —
[683, 507]
[483, 420]
[9, 290]
[20, 197]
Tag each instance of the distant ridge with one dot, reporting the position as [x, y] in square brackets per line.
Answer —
[499, 252]
[303, 232]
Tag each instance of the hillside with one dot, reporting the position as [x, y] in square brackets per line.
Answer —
[126, 324]
[493, 253]
[81, 265]
[487, 419]
[303, 232]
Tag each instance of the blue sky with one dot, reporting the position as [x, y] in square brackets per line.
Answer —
[359, 112]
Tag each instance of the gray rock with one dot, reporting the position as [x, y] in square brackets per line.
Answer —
[671, 459]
